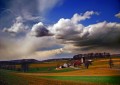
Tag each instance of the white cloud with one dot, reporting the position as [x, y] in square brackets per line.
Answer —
[49, 53]
[70, 27]
[17, 27]
[101, 36]
[66, 28]
[76, 17]
[43, 55]
[30, 11]
[24, 47]
[73, 36]
[117, 15]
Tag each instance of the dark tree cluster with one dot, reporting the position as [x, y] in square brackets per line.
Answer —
[7, 65]
[11, 65]
[91, 55]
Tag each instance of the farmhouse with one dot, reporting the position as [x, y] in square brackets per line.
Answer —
[81, 58]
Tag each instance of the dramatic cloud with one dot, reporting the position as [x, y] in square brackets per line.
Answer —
[69, 28]
[20, 15]
[17, 27]
[65, 28]
[117, 15]
[39, 30]
[31, 12]
[14, 48]
[68, 35]
[42, 55]
[101, 36]
[24, 8]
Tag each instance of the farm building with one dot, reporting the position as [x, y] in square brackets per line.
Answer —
[78, 60]
[81, 58]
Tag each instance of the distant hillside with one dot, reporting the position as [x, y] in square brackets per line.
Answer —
[49, 60]
[19, 61]
[31, 61]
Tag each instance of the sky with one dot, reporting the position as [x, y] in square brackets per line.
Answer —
[42, 29]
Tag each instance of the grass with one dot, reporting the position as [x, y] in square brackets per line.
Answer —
[49, 70]
[7, 78]
[47, 64]
[44, 70]
[112, 80]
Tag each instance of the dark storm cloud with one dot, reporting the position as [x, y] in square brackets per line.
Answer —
[102, 35]
[40, 30]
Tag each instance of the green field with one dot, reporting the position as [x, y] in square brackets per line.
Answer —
[48, 70]
[44, 70]
[113, 80]
[98, 73]
[6, 78]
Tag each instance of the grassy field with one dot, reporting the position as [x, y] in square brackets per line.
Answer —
[6, 78]
[48, 64]
[114, 80]
[98, 73]
[48, 70]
